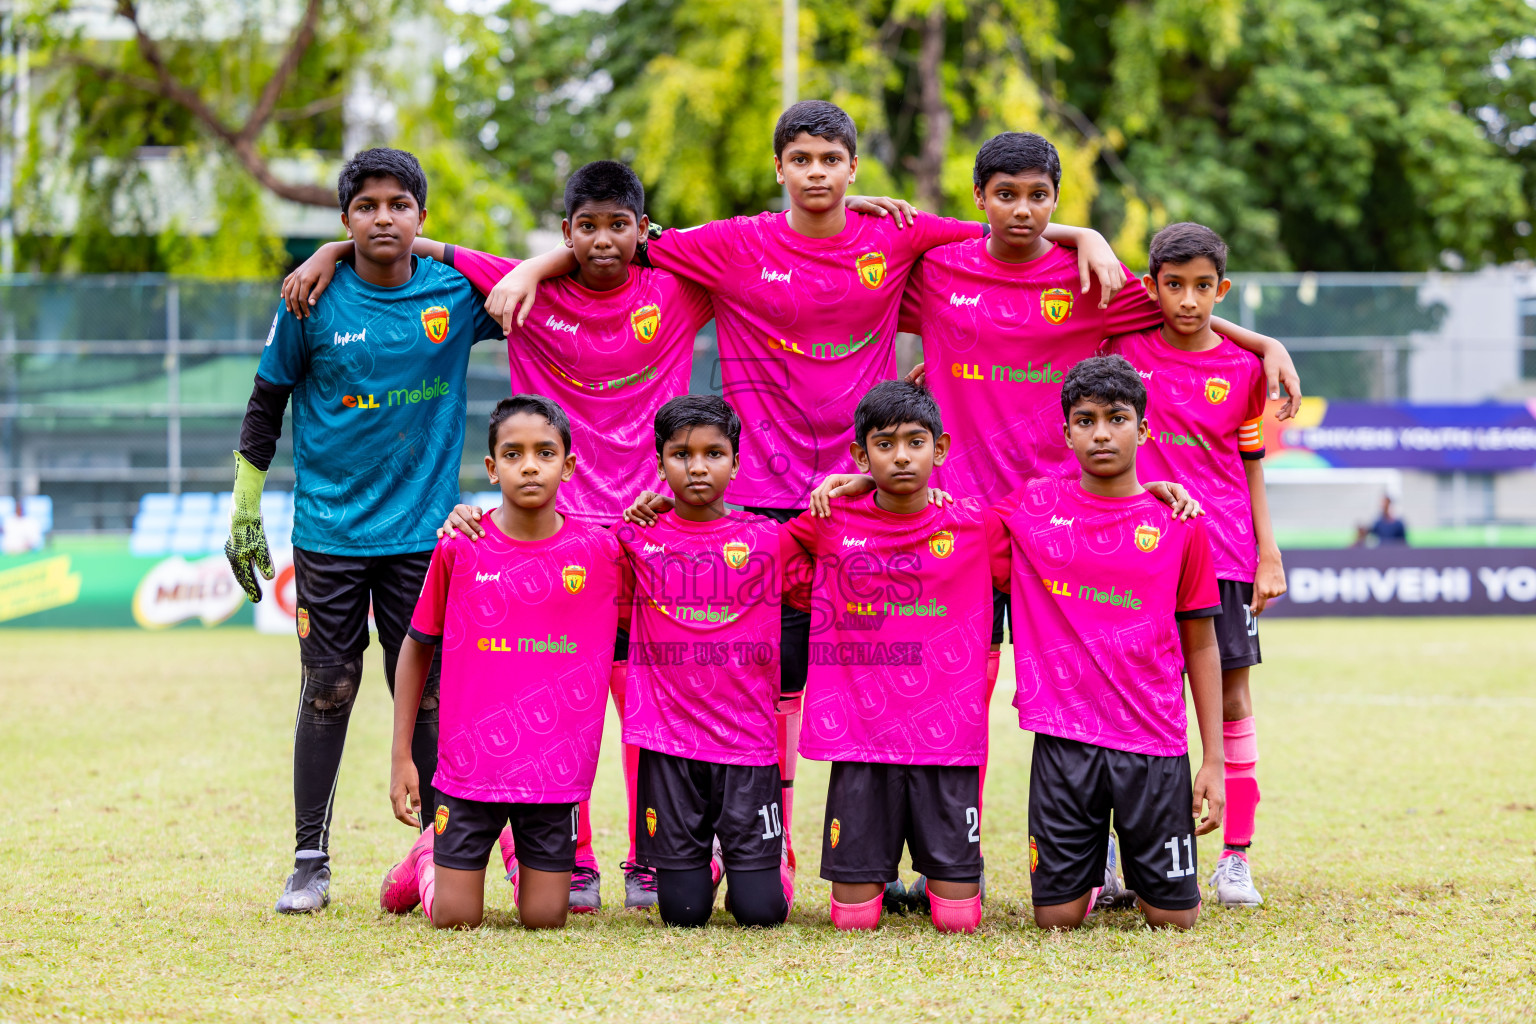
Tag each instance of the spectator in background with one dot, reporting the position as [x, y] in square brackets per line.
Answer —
[1387, 529]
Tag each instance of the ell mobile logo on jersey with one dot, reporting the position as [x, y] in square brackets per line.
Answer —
[646, 321]
[398, 396]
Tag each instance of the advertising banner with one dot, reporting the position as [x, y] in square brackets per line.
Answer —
[1398, 580]
[1486, 438]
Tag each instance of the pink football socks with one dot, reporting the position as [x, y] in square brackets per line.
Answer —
[787, 716]
[850, 917]
[954, 915]
[1242, 752]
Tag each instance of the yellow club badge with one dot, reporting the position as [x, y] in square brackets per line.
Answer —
[440, 820]
[301, 619]
[871, 267]
[736, 553]
[1034, 855]
[942, 544]
[1147, 538]
[835, 832]
[650, 821]
[434, 320]
[1056, 304]
[1216, 390]
[646, 320]
[574, 577]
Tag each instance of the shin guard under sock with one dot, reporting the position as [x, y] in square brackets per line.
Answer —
[1241, 745]
[426, 883]
[787, 718]
[850, 917]
[954, 915]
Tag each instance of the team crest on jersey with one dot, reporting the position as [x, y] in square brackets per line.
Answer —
[440, 820]
[871, 267]
[650, 821]
[736, 553]
[646, 320]
[301, 619]
[434, 320]
[574, 577]
[1034, 855]
[1147, 537]
[942, 544]
[1056, 304]
[1216, 390]
[835, 832]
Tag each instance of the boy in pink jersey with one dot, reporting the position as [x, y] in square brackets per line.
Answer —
[806, 304]
[1205, 407]
[1113, 598]
[526, 621]
[900, 612]
[704, 678]
[610, 341]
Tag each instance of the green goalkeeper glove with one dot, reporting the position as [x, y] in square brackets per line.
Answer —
[247, 544]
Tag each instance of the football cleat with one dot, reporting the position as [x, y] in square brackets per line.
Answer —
[716, 864]
[586, 889]
[639, 886]
[894, 899]
[917, 896]
[787, 879]
[1234, 883]
[309, 887]
[401, 892]
[1113, 892]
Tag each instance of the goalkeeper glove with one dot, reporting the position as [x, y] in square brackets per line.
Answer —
[247, 544]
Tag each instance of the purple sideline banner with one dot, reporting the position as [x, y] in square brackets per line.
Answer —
[1488, 437]
[1399, 580]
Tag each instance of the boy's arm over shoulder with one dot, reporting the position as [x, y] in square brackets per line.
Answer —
[1000, 543]
[797, 549]
[1250, 436]
[481, 269]
[1198, 596]
[432, 606]
[910, 319]
[696, 253]
[929, 231]
[698, 306]
[1131, 309]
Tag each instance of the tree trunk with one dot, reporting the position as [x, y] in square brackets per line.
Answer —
[936, 118]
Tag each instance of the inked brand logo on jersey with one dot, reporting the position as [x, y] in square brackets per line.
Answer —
[964, 300]
[487, 577]
[338, 338]
[736, 553]
[650, 821]
[835, 832]
[871, 267]
[1147, 538]
[1217, 389]
[440, 820]
[1056, 304]
[1061, 521]
[1145, 374]
[646, 320]
[434, 320]
[653, 549]
[773, 275]
[554, 323]
[574, 577]
[942, 544]
[855, 542]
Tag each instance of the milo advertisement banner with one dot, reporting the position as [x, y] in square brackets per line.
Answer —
[97, 582]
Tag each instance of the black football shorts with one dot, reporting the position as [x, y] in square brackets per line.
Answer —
[873, 810]
[684, 804]
[543, 834]
[1237, 631]
[1074, 787]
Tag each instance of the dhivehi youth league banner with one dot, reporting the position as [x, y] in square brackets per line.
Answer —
[1399, 580]
[1400, 435]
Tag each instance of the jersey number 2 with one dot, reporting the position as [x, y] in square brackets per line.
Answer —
[973, 819]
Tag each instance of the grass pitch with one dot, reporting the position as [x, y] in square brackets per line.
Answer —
[153, 823]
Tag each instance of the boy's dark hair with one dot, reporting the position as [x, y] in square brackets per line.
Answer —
[538, 405]
[1106, 379]
[381, 163]
[1015, 153]
[604, 181]
[1185, 241]
[819, 118]
[688, 411]
[891, 403]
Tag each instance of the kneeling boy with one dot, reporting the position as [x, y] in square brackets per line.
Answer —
[1114, 598]
[901, 616]
[526, 620]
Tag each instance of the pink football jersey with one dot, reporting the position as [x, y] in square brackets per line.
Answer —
[806, 326]
[1206, 414]
[901, 624]
[1097, 587]
[527, 633]
[610, 359]
[704, 645]
[998, 339]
